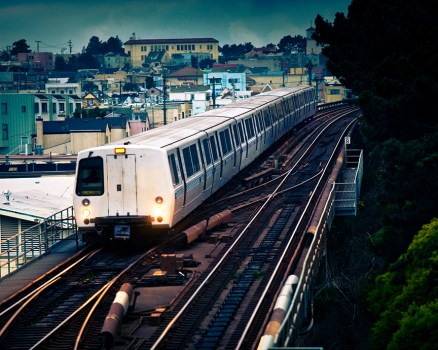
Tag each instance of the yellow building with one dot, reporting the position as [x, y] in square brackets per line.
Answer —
[139, 49]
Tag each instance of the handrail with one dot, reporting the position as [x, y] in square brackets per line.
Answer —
[35, 241]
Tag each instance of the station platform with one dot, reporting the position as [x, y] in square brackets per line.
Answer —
[27, 274]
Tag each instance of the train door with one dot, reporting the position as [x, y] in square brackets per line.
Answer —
[193, 175]
[237, 147]
[122, 185]
[209, 165]
[178, 180]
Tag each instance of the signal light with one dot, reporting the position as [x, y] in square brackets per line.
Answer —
[119, 150]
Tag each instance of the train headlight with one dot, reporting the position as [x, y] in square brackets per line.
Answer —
[159, 200]
[86, 212]
[85, 202]
[159, 213]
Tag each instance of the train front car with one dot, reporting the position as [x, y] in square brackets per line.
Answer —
[122, 192]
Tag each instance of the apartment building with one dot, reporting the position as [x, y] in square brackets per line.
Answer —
[139, 49]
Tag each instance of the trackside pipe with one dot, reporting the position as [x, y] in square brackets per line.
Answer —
[118, 310]
[193, 232]
[280, 309]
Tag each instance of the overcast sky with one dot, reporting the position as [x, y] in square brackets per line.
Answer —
[260, 22]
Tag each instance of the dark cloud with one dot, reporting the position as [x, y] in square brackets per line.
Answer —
[229, 21]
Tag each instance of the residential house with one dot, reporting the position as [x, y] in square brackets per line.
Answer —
[61, 86]
[334, 91]
[156, 59]
[75, 134]
[43, 61]
[116, 60]
[185, 76]
[198, 96]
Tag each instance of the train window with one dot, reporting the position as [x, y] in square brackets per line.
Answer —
[267, 118]
[90, 177]
[214, 148]
[195, 158]
[206, 151]
[191, 160]
[174, 169]
[249, 128]
[188, 161]
[259, 127]
[225, 139]
[236, 136]
[241, 133]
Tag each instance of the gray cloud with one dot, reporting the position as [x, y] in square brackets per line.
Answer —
[230, 21]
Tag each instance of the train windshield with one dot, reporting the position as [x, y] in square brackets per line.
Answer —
[89, 180]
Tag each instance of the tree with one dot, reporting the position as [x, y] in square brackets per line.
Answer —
[405, 299]
[4, 56]
[20, 46]
[206, 63]
[232, 52]
[60, 64]
[113, 44]
[94, 47]
[150, 83]
[386, 51]
[289, 44]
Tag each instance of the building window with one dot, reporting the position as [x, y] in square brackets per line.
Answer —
[5, 131]
[4, 108]
[54, 107]
[37, 107]
[44, 107]
[335, 92]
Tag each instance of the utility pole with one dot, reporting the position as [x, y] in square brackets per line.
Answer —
[164, 98]
[38, 45]
[70, 45]
[213, 81]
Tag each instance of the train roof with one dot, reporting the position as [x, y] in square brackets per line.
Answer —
[172, 133]
[189, 127]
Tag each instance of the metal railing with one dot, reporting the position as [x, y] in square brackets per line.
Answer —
[20, 249]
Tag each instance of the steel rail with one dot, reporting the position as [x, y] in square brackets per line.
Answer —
[249, 322]
[238, 238]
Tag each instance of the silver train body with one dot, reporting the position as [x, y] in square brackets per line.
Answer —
[146, 183]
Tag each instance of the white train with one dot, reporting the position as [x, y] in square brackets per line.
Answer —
[148, 182]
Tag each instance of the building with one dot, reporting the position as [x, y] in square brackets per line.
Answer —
[139, 49]
[116, 60]
[20, 110]
[43, 61]
[185, 76]
[75, 134]
[199, 97]
[61, 86]
[334, 91]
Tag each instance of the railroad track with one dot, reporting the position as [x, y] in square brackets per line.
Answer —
[228, 307]
[221, 306]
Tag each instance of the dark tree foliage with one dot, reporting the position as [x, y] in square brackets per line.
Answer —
[207, 63]
[234, 52]
[4, 56]
[20, 46]
[290, 44]
[150, 83]
[114, 45]
[386, 52]
[60, 64]
[405, 298]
